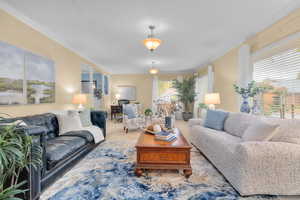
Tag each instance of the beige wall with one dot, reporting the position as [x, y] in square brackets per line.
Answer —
[225, 75]
[67, 64]
[226, 67]
[143, 84]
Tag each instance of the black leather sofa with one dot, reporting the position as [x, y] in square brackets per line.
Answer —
[60, 152]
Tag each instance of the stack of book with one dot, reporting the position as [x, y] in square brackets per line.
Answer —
[165, 136]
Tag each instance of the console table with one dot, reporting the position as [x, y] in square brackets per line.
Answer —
[115, 111]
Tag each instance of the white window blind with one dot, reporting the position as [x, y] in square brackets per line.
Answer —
[282, 72]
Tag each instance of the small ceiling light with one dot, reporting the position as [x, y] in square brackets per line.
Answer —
[153, 70]
[151, 42]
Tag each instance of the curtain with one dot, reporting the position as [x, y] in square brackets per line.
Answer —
[154, 92]
[197, 98]
[209, 80]
[201, 88]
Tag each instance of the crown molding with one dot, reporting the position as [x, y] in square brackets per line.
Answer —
[48, 33]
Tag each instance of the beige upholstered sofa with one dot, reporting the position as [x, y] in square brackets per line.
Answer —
[269, 167]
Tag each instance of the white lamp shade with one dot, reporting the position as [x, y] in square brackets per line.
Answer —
[212, 98]
[79, 99]
[118, 96]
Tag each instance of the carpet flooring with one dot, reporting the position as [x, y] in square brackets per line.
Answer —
[108, 173]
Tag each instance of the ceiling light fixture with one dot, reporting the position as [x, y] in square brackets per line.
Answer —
[151, 42]
[153, 70]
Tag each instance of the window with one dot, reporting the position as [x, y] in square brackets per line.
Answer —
[165, 91]
[280, 73]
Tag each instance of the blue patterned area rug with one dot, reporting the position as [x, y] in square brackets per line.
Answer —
[108, 173]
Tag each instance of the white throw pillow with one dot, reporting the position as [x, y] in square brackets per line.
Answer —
[260, 131]
[69, 122]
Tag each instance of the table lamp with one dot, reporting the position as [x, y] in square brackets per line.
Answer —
[212, 99]
[79, 99]
[117, 97]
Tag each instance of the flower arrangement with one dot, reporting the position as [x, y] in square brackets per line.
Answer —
[250, 91]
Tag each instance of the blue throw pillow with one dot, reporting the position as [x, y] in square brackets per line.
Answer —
[215, 119]
[128, 110]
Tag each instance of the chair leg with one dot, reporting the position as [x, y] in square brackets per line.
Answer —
[126, 130]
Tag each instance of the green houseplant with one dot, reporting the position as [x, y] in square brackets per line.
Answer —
[186, 94]
[17, 153]
[148, 112]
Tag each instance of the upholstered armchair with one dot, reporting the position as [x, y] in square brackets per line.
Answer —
[132, 119]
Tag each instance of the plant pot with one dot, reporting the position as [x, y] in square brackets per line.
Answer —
[245, 105]
[187, 115]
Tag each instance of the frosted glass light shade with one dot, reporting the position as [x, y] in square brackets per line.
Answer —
[118, 96]
[152, 43]
[153, 71]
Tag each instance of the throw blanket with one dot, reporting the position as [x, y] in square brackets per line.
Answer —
[89, 133]
[96, 132]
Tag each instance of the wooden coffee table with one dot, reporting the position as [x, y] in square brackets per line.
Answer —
[156, 154]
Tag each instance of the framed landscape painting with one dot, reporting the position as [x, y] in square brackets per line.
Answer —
[40, 79]
[106, 85]
[11, 75]
[25, 78]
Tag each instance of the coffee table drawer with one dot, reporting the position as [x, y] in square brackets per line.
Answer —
[179, 157]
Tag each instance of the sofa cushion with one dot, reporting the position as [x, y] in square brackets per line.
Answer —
[213, 138]
[61, 147]
[85, 117]
[47, 120]
[129, 110]
[260, 131]
[215, 119]
[69, 122]
[237, 123]
[288, 128]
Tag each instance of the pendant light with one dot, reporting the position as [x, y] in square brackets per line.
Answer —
[153, 70]
[151, 42]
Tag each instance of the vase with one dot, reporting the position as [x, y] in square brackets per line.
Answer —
[245, 105]
[255, 107]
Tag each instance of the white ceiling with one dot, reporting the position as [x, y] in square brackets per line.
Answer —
[110, 32]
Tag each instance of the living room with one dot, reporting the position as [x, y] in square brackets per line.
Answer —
[150, 99]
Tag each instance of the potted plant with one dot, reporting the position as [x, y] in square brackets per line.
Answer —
[186, 94]
[17, 153]
[252, 90]
[245, 93]
[148, 112]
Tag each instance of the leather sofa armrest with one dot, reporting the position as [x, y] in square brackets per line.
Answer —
[34, 130]
[99, 119]
[41, 132]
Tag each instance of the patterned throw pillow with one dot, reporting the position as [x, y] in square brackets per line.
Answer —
[69, 122]
[85, 117]
[129, 111]
[215, 119]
